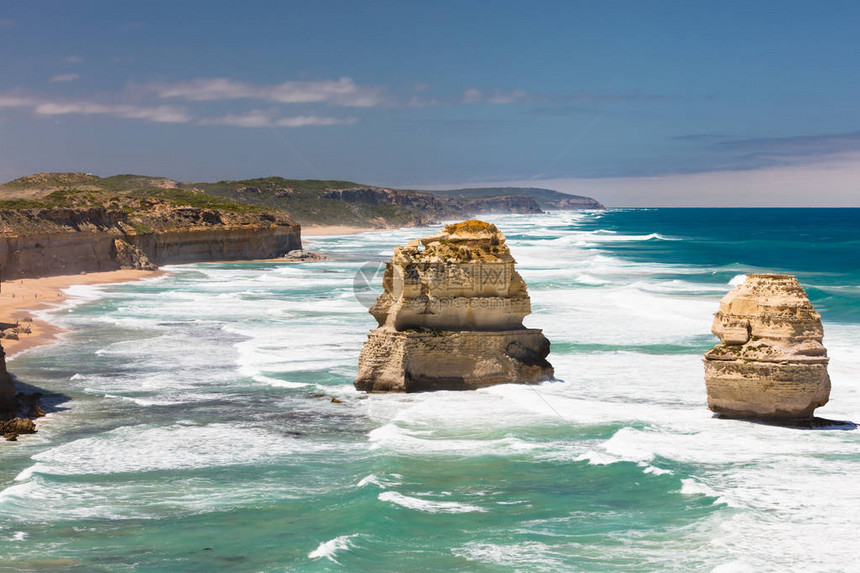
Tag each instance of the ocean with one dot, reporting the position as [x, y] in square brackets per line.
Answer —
[192, 426]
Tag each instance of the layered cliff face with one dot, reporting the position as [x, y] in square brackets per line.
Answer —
[8, 403]
[450, 317]
[42, 242]
[771, 363]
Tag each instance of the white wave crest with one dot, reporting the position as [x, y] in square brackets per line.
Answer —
[329, 549]
[427, 505]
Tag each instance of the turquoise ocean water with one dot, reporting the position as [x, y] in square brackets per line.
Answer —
[193, 428]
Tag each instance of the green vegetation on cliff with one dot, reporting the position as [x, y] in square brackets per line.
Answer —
[546, 198]
[126, 201]
[309, 201]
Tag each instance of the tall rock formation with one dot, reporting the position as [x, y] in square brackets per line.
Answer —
[771, 363]
[8, 403]
[450, 317]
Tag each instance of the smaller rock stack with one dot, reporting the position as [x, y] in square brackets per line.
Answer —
[450, 317]
[771, 363]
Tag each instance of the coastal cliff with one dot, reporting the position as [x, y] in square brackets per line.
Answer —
[8, 404]
[771, 363]
[307, 201]
[135, 234]
[545, 199]
[450, 317]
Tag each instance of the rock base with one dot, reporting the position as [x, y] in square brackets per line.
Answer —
[767, 391]
[451, 360]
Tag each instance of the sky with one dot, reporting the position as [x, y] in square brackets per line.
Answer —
[638, 103]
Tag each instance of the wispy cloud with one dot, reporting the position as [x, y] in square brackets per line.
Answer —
[62, 78]
[493, 97]
[259, 118]
[44, 107]
[308, 120]
[798, 145]
[47, 108]
[342, 92]
[8, 100]
[829, 181]
[6, 23]
[41, 107]
[419, 101]
[158, 114]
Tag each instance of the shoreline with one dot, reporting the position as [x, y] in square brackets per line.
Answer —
[325, 230]
[21, 298]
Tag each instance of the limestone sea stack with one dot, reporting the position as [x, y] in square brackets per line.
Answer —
[771, 363]
[450, 317]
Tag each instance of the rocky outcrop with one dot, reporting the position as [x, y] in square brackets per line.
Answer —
[43, 242]
[450, 317]
[129, 256]
[11, 429]
[303, 256]
[8, 403]
[771, 363]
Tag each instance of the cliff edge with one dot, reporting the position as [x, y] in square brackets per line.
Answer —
[136, 233]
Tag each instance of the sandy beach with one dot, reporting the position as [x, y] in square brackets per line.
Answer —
[20, 298]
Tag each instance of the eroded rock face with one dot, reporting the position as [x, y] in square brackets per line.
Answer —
[771, 363]
[130, 257]
[45, 242]
[8, 403]
[450, 317]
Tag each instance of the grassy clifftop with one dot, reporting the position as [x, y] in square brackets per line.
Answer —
[309, 201]
[123, 192]
[546, 198]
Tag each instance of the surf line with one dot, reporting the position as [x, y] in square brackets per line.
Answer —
[550, 406]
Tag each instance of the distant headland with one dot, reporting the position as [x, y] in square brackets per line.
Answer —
[65, 223]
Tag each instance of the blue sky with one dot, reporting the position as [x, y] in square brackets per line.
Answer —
[434, 94]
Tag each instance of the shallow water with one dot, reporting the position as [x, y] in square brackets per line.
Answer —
[193, 427]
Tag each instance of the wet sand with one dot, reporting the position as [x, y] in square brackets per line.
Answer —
[20, 298]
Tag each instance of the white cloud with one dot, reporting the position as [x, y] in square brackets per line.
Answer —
[417, 101]
[73, 59]
[343, 92]
[61, 78]
[307, 120]
[165, 113]
[158, 114]
[259, 118]
[15, 101]
[493, 97]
